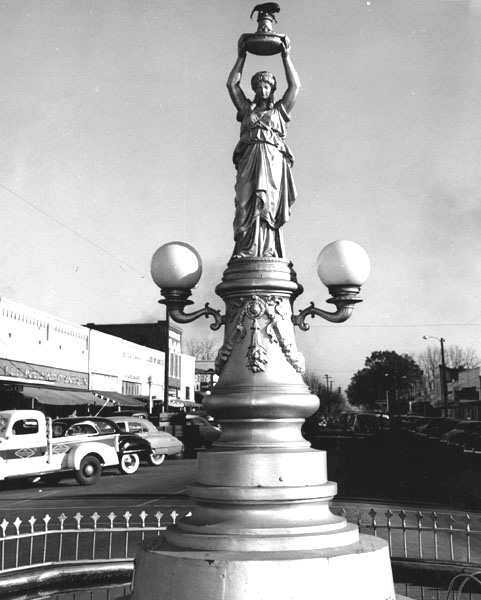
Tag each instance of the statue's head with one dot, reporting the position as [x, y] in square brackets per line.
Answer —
[264, 77]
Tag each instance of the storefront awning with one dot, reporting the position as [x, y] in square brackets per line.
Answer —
[119, 399]
[60, 397]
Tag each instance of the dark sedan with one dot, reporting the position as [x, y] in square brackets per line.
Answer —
[132, 447]
[462, 433]
[436, 427]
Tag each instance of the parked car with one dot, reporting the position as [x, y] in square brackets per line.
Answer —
[132, 447]
[28, 449]
[463, 432]
[411, 423]
[436, 427]
[473, 443]
[139, 414]
[162, 443]
[366, 424]
[194, 431]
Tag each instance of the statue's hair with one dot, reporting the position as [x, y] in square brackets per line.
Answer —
[264, 76]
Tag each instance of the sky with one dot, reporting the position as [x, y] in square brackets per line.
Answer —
[117, 134]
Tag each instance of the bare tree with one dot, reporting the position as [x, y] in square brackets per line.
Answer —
[455, 357]
[202, 348]
[332, 401]
[313, 381]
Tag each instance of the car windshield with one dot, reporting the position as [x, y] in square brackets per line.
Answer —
[58, 429]
[105, 427]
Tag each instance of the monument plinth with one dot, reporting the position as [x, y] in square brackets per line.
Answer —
[261, 527]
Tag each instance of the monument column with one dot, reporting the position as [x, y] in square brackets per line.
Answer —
[261, 526]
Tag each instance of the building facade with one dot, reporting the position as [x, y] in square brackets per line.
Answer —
[154, 336]
[46, 361]
[463, 392]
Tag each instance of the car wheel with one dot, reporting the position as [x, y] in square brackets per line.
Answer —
[156, 459]
[129, 463]
[89, 471]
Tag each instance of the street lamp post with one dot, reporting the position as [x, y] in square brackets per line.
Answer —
[149, 381]
[261, 525]
[393, 405]
[444, 383]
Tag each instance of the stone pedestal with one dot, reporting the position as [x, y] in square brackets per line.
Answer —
[359, 571]
[261, 527]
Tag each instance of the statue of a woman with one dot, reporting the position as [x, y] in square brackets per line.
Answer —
[264, 190]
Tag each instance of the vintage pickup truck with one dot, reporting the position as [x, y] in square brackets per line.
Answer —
[28, 449]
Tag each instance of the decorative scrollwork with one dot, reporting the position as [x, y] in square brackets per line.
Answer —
[266, 315]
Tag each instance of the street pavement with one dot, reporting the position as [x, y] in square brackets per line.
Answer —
[150, 489]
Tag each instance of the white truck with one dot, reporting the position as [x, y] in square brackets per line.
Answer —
[28, 449]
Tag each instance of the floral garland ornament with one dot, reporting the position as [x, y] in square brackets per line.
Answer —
[255, 308]
[256, 353]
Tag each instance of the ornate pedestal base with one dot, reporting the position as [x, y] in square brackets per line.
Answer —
[261, 527]
[360, 571]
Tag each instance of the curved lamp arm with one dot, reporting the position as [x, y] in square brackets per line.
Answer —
[344, 297]
[177, 300]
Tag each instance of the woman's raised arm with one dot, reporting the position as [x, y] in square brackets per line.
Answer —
[292, 77]
[233, 81]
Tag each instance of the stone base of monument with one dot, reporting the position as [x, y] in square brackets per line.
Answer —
[359, 571]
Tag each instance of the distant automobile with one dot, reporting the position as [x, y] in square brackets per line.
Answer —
[139, 414]
[413, 422]
[162, 443]
[132, 447]
[366, 423]
[194, 431]
[436, 427]
[462, 433]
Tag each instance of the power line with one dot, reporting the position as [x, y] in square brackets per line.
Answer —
[385, 326]
[77, 233]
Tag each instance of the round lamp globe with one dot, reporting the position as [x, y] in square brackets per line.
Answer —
[343, 263]
[176, 265]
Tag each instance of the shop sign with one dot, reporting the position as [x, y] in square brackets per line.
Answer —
[56, 377]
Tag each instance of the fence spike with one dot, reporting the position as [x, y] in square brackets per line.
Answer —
[127, 516]
[174, 516]
[78, 517]
[62, 518]
[17, 524]
[4, 525]
[32, 522]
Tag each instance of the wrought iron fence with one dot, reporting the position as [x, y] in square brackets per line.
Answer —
[62, 538]
[427, 550]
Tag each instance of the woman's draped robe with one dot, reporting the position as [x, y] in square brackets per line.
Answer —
[264, 187]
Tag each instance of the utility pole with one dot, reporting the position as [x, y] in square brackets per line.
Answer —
[329, 391]
[444, 383]
[166, 362]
